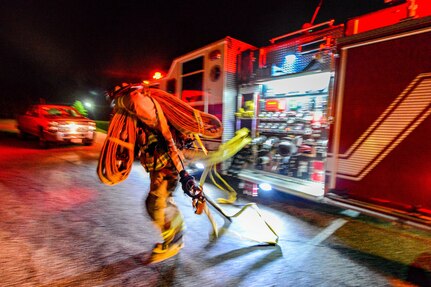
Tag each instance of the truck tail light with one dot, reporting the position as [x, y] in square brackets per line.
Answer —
[318, 171]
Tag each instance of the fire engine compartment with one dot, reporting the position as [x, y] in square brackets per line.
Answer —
[285, 102]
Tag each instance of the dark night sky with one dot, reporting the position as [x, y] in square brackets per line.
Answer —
[64, 50]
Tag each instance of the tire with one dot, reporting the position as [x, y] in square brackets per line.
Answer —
[43, 143]
[87, 142]
[22, 135]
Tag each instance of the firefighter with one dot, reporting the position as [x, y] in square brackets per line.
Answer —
[160, 154]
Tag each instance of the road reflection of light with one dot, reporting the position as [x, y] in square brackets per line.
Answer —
[67, 198]
[256, 225]
[64, 191]
[11, 153]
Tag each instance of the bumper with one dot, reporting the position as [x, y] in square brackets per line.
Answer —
[69, 136]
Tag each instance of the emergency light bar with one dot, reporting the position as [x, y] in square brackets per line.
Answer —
[329, 23]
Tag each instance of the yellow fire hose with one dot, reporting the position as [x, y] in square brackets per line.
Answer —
[226, 151]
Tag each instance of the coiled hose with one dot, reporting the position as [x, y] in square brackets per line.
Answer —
[117, 154]
[185, 118]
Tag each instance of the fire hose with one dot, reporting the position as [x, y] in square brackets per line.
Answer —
[226, 151]
[117, 154]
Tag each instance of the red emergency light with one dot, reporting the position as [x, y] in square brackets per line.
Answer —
[388, 16]
[157, 76]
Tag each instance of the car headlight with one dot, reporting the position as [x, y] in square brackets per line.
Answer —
[52, 127]
[63, 128]
[92, 126]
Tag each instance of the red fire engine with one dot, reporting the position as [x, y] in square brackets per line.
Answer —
[380, 141]
[342, 114]
[338, 113]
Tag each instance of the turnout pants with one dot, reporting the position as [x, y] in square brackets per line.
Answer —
[161, 206]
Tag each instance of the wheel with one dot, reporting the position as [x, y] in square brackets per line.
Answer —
[43, 143]
[87, 142]
[22, 135]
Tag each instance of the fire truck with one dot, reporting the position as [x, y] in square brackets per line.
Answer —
[380, 141]
[341, 114]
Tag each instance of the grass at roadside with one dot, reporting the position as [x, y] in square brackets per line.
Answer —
[102, 126]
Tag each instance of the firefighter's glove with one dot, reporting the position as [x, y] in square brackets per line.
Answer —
[192, 189]
[198, 202]
[188, 184]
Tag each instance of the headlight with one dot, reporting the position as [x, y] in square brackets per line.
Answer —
[63, 128]
[92, 126]
[52, 127]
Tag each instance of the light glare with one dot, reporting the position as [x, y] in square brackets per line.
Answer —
[200, 165]
[265, 186]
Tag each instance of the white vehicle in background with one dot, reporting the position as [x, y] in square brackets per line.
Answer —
[56, 124]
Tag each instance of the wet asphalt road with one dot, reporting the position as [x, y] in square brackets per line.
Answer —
[61, 227]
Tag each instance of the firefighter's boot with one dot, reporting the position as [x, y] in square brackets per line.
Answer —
[172, 241]
[167, 249]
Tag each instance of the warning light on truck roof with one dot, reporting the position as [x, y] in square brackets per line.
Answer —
[157, 76]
